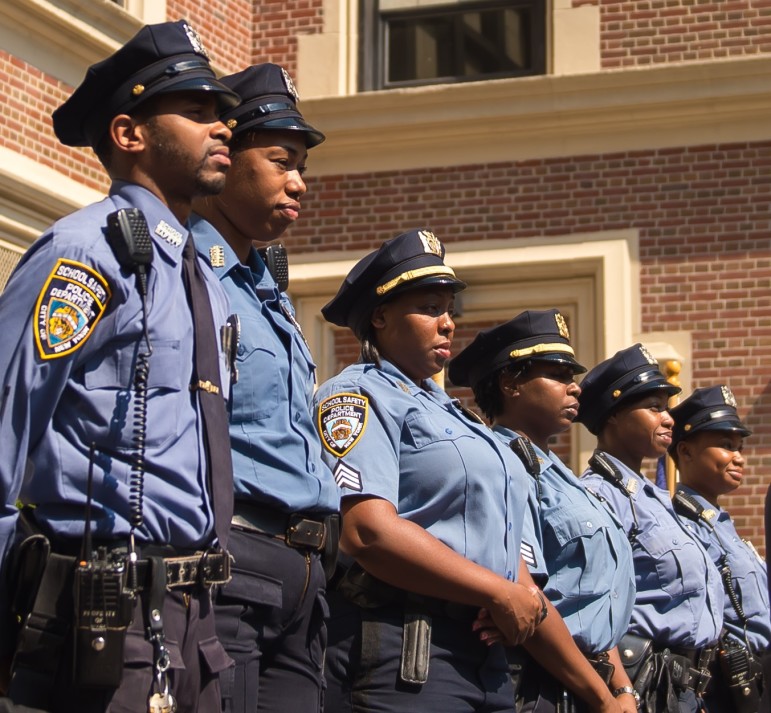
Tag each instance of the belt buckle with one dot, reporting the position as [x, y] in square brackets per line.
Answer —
[180, 571]
[214, 567]
[303, 532]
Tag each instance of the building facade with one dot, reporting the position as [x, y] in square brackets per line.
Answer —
[611, 158]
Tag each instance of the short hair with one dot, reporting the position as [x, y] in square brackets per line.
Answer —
[487, 391]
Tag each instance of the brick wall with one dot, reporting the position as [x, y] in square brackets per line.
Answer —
[645, 32]
[29, 98]
[224, 25]
[705, 258]
[277, 23]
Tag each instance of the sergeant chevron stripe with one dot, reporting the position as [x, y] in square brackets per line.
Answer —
[347, 477]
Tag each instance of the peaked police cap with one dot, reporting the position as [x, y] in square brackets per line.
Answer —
[269, 101]
[410, 260]
[540, 335]
[162, 58]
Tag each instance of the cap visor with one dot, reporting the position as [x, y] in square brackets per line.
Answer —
[559, 359]
[733, 426]
[226, 98]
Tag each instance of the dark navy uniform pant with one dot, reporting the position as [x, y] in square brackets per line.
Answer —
[271, 620]
[197, 659]
[363, 663]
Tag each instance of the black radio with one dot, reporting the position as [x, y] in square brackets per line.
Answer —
[103, 612]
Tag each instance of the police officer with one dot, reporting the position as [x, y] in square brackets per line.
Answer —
[707, 442]
[678, 610]
[106, 430]
[432, 503]
[522, 374]
[270, 617]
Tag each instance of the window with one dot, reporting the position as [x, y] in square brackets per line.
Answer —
[427, 43]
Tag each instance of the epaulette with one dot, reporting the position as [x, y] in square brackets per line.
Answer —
[687, 506]
[608, 470]
[605, 468]
[526, 453]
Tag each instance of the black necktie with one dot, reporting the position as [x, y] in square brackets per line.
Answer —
[206, 383]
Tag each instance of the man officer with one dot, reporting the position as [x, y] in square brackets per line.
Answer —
[270, 618]
[111, 403]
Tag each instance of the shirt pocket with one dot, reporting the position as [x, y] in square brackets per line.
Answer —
[428, 430]
[676, 561]
[256, 394]
[113, 413]
[582, 553]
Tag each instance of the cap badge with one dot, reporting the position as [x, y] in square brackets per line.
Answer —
[290, 87]
[138, 89]
[231, 123]
[562, 326]
[217, 256]
[647, 355]
[195, 41]
[430, 242]
[170, 234]
[728, 396]
[616, 393]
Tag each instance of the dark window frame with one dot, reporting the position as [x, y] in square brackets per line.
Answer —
[373, 52]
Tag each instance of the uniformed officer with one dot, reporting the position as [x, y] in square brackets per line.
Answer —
[522, 374]
[103, 429]
[678, 610]
[432, 503]
[707, 442]
[270, 618]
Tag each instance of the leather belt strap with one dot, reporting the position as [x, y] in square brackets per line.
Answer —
[297, 529]
[204, 568]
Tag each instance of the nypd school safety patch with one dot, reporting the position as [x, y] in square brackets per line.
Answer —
[342, 420]
[70, 304]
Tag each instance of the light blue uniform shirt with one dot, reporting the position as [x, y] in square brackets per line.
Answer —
[438, 467]
[679, 598]
[748, 572]
[276, 449]
[53, 409]
[573, 539]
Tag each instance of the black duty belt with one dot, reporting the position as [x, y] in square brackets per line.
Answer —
[689, 667]
[193, 568]
[204, 568]
[298, 530]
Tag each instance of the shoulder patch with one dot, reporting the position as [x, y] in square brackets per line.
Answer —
[342, 420]
[70, 304]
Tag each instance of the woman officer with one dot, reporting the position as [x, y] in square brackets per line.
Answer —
[678, 610]
[522, 374]
[432, 505]
[707, 443]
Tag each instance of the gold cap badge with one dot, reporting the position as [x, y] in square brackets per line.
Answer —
[430, 242]
[562, 326]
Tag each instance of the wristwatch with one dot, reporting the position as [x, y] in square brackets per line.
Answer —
[631, 691]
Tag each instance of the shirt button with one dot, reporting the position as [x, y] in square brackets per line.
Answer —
[589, 524]
[448, 431]
[509, 527]
[241, 348]
[297, 416]
[509, 575]
[312, 468]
